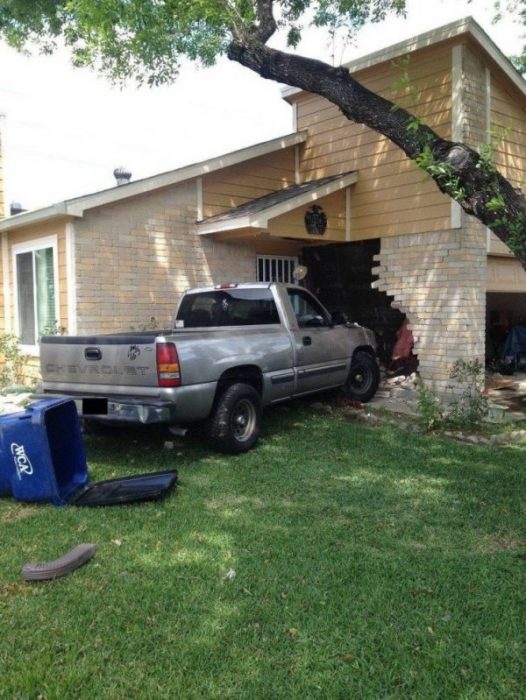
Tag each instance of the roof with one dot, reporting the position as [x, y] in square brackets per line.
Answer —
[467, 25]
[78, 205]
[257, 212]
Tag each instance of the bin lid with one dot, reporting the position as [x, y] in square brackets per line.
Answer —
[130, 489]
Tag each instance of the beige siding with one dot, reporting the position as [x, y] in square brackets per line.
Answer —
[2, 298]
[255, 178]
[292, 224]
[392, 195]
[505, 275]
[508, 117]
[2, 194]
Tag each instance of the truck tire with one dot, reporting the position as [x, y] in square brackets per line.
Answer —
[363, 379]
[235, 423]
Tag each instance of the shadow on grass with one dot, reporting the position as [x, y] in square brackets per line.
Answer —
[334, 560]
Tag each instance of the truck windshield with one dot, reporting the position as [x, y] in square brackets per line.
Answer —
[227, 307]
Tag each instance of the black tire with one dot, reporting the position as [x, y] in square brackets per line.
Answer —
[363, 379]
[235, 424]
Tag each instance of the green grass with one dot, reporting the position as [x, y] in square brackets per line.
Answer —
[369, 563]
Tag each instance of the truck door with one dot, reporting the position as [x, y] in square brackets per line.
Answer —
[321, 349]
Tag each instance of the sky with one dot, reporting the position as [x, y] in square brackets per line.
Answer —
[65, 130]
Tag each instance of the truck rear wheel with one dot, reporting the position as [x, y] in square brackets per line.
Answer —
[235, 424]
[363, 379]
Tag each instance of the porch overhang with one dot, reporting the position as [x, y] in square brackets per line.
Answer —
[256, 214]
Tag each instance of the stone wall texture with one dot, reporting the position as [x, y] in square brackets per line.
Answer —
[438, 281]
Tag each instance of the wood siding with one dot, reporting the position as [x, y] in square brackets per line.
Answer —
[508, 120]
[255, 178]
[292, 224]
[2, 193]
[505, 275]
[392, 196]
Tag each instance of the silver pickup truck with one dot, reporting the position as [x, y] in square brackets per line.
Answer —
[234, 348]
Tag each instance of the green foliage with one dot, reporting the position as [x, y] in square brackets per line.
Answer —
[146, 40]
[430, 410]
[471, 407]
[12, 361]
[466, 411]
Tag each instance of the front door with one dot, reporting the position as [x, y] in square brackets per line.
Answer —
[322, 350]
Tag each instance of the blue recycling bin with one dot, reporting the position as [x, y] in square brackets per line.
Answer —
[42, 454]
[42, 458]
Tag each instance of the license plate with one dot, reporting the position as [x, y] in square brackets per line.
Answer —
[94, 407]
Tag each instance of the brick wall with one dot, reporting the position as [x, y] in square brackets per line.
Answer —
[135, 258]
[438, 280]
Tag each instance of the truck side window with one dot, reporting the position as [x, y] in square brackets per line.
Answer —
[309, 313]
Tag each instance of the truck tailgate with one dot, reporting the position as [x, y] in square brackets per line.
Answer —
[118, 360]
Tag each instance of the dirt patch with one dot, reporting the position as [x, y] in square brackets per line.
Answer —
[13, 515]
[505, 544]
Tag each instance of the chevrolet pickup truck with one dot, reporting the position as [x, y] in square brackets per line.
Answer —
[234, 349]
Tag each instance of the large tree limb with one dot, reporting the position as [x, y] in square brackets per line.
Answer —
[484, 193]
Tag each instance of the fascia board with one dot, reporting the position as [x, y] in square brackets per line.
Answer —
[467, 25]
[33, 217]
[226, 225]
[261, 219]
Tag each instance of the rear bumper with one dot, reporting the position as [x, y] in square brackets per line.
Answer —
[184, 404]
[122, 410]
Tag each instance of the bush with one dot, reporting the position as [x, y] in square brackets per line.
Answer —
[467, 410]
[12, 361]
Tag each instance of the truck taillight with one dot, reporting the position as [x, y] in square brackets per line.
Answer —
[168, 370]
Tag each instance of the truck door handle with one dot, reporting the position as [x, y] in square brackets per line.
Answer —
[306, 340]
[93, 354]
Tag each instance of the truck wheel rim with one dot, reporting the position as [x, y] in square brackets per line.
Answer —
[243, 420]
[360, 379]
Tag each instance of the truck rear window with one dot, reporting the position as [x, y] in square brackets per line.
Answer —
[232, 307]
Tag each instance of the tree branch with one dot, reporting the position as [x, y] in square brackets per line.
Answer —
[464, 175]
[266, 22]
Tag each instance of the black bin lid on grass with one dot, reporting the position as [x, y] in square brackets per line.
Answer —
[130, 489]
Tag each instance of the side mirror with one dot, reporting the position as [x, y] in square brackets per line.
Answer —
[339, 318]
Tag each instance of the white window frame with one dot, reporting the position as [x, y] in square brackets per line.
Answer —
[289, 258]
[31, 247]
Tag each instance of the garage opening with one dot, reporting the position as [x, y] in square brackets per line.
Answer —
[340, 275]
[506, 330]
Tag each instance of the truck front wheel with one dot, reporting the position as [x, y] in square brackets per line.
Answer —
[235, 424]
[363, 379]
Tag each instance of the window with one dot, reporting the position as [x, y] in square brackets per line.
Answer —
[309, 312]
[271, 268]
[36, 295]
[232, 307]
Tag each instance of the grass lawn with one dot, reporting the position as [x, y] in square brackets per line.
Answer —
[369, 563]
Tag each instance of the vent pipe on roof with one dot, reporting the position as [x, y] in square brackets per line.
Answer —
[122, 175]
[16, 208]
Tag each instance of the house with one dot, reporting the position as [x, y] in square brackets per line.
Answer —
[378, 238]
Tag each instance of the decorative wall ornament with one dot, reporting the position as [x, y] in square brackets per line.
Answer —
[315, 221]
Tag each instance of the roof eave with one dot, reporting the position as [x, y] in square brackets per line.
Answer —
[36, 216]
[77, 206]
[259, 220]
